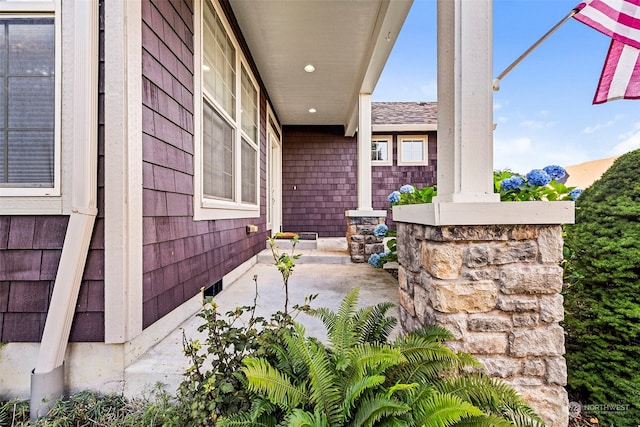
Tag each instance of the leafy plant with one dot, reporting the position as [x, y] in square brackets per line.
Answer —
[602, 308]
[409, 195]
[213, 385]
[285, 263]
[87, 408]
[378, 260]
[538, 184]
[361, 379]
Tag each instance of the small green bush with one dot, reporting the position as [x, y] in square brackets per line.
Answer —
[602, 299]
[90, 409]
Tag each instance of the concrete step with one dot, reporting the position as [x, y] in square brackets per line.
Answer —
[309, 257]
[327, 251]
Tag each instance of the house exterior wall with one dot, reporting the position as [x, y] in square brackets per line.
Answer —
[30, 249]
[385, 179]
[181, 255]
[320, 162]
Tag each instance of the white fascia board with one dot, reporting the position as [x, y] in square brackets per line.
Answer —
[416, 127]
[390, 20]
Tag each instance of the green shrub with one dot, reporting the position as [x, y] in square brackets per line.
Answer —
[603, 305]
[360, 379]
[89, 409]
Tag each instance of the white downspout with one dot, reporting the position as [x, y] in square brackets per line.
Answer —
[47, 380]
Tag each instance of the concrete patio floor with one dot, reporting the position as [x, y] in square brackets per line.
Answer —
[326, 271]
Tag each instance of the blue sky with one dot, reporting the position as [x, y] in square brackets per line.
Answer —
[543, 110]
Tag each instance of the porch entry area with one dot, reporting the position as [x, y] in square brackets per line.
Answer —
[326, 271]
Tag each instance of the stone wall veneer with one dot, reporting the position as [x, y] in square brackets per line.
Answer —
[497, 289]
[360, 238]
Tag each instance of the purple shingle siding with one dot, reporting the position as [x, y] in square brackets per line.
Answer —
[385, 179]
[180, 254]
[23, 327]
[321, 163]
[5, 222]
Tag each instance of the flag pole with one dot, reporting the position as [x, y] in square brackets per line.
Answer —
[496, 81]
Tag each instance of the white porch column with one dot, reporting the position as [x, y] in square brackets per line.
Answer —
[465, 102]
[364, 153]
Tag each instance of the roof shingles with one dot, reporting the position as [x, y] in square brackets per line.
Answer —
[403, 113]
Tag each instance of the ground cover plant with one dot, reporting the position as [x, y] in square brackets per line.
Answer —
[602, 301]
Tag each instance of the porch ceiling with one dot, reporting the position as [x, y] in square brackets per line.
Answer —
[347, 41]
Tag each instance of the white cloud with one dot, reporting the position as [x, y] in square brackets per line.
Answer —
[544, 113]
[628, 141]
[536, 124]
[592, 129]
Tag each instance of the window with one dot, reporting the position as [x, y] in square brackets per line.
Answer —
[29, 85]
[381, 151]
[228, 152]
[412, 150]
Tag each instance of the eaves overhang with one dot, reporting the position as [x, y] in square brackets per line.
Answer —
[347, 41]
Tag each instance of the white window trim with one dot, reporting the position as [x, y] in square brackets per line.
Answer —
[425, 150]
[271, 118]
[389, 140]
[211, 209]
[51, 200]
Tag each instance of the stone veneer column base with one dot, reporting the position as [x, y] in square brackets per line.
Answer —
[360, 238]
[497, 289]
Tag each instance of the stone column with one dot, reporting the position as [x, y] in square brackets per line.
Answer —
[360, 238]
[497, 289]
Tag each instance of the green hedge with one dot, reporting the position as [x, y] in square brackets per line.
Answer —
[603, 305]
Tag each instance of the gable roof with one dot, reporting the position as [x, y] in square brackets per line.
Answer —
[404, 116]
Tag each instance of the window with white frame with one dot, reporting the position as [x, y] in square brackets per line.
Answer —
[29, 89]
[381, 150]
[228, 151]
[412, 150]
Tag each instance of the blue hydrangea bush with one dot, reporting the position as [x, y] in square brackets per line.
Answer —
[538, 184]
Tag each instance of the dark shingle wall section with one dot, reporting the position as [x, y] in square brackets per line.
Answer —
[180, 255]
[30, 249]
[321, 163]
[385, 179]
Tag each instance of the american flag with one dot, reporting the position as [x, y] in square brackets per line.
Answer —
[620, 20]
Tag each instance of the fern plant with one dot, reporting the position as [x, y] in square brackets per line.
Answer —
[360, 378]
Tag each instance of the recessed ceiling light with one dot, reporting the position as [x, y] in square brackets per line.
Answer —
[312, 110]
[309, 68]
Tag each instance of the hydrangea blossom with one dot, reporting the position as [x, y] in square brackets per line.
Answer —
[380, 230]
[394, 197]
[574, 194]
[538, 177]
[555, 171]
[511, 183]
[407, 189]
[374, 260]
